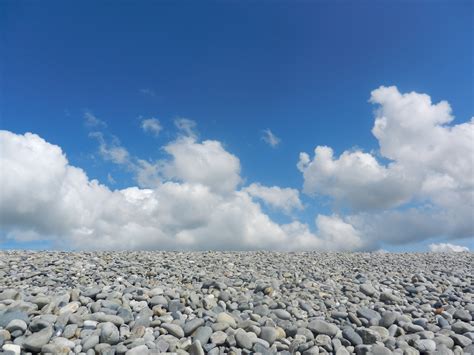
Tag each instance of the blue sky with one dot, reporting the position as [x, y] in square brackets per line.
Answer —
[304, 70]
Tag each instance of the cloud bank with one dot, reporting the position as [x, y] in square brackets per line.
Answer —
[418, 186]
[447, 248]
[425, 190]
[196, 206]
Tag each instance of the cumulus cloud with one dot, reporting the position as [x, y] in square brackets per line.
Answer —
[269, 138]
[111, 151]
[284, 199]
[447, 248]
[348, 178]
[152, 126]
[186, 127]
[195, 211]
[92, 121]
[206, 162]
[426, 189]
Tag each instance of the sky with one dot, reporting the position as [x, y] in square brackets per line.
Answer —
[307, 125]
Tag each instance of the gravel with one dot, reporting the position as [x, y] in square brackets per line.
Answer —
[236, 303]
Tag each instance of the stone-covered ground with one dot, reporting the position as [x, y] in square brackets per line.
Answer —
[236, 303]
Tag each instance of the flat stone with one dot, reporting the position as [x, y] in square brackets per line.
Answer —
[35, 341]
[90, 342]
[227, 319]
[425, 345]
[351, 335]
[367, 289]
[282, 314]
[70, 308]
[388, 318]
[202, 334]
[109, 333]
[173, 329]
[14, 349]
[16, 324]
[196, 348]
[243, 339]
[462, 327]
[8, 315]
[368, 314]
[461, 340]
[269, 334]
[463, 315]
[218, 337]
[320, 326]
[138, 350]
[192, 325]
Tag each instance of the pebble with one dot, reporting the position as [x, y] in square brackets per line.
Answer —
[320, 326]
[35, 341]
[196, 303]
[174, 330]
[16, 324]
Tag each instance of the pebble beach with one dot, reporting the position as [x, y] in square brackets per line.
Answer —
[236, 303]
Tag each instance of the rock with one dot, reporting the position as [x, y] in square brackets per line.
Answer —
[109, 333]
[202, 334]
[377, 349]
[192, 325]
[282, 314]
[16, 324]
[369, 314]
[90, 342]
[368, 336]
[243, 339]
[138, 350]
[390, 298]
[218, 337]
[461, 340]
[367, 289]
[173, 329]
[196, 348]
[8, 315]
[35, 341]
[236, 303]
[9, 294]
[269, 334]
[425, 345]
[350, 334]
[227, 319]
[462, 327]
[70, 308]
[388, 318]
[14, 349]
[463, 315]
[320, 326]
[159, 300]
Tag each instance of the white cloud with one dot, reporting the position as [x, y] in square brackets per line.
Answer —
[110, 179]
[447, 248]
[269, 138]
[59, 203]
[207, 163]
[92, 121]
[285, 199]
[348, 178]
[111, 151]
[427, 187]
[151, 125]
[148, 92]
[186, 126]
